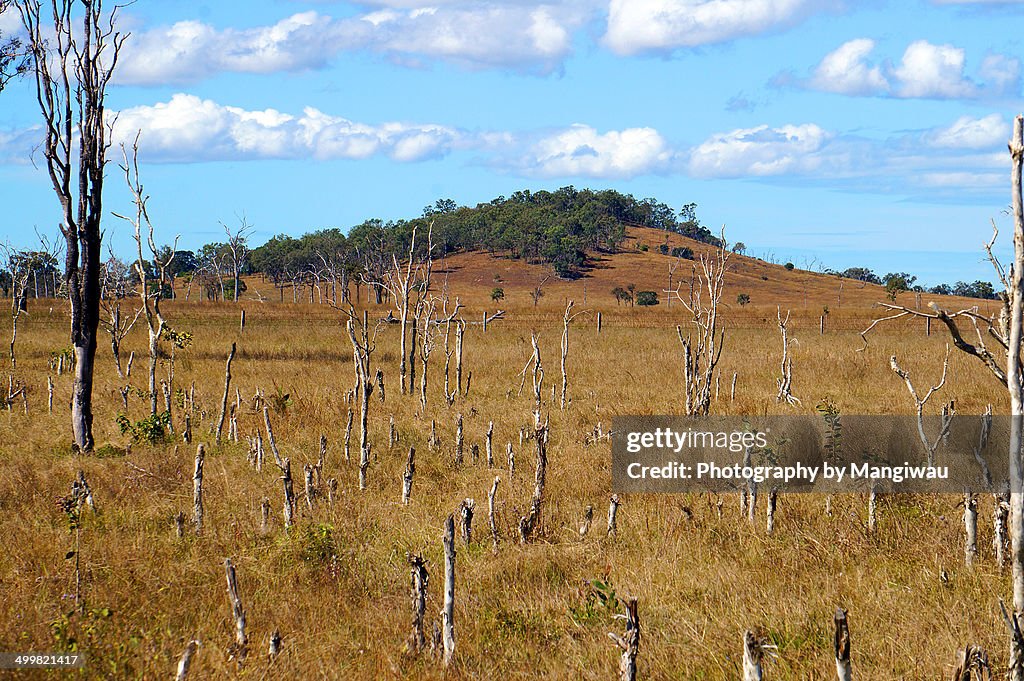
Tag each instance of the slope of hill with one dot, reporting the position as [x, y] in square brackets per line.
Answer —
[474, 275]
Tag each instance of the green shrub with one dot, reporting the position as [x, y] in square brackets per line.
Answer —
[790, 266]
[151, 430]
[743, 299]
[683, 252]
[646, 298]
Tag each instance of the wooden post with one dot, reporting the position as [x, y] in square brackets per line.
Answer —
[410, 470]
[613, 510]
[773, 495]
[186, 435]
[448, 613]
[467, 520]
[179, 524]
[417, 639]
[599, 322]
[927, 326]
[629, 642]
[821, 322]
[511, 460]
[265, 516]
[392, 434]
[841, 646]
[241, 321]
[227, 387]
[490, 513]
[49, 392]
[732, 394]
[197, 489]
[485, 321]
[241, 646]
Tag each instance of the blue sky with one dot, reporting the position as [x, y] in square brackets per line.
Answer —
[825, 132]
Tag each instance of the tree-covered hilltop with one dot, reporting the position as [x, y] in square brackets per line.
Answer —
[563, 228]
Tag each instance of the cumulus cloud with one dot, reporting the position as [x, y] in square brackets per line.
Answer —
[517, 36]
[190, 129]
[760, 151]
[582, 151]
[846, 72]
[664, 25]
[972, 133]
[925, 71]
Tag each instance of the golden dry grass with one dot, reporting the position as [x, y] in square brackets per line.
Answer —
[522, 613]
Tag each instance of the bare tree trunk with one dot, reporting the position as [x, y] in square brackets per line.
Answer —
[841, 646]
[629, 642]
[240, 648]
[1015, 385]
[410, 470]
[417, 639]
[227, 388]
[752, 654]
[197, 489]
[489, 444]
[185, 663]
[970, 528]
[613, 511]
[490, 513]
[448, 613]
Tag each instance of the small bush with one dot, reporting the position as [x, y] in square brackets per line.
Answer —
[682, 252]
[646, 298]
[743, 299]
[151, 430]
[316, 544]
[663, 249]
[497, 293]
[790, 266]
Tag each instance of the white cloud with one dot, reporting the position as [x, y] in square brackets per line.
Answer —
[925, 71]
[190, 129]
[936, 71]
[581, 151]
[664, 25]
[972, 133]
[518, 36]
[845, 71]
[760, 151]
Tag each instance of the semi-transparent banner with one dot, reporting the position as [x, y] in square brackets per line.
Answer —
[812, 453]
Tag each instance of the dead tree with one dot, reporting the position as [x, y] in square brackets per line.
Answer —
[785, 382]
[919, 404]
[140, 222]
[1006, 330]
[588, 519]
[448, 613]
[702, 344]
[238, 253]
[841, 646]
[466, 509]
[629, 642]
[72, 69]
[973, 659]
[363, 346]
[240, 648]
[459, 440]
[536, 369]
[755, 649]
[491, 521]
[489, 444]
[529, 523]
[410, 470]
[197, 489]
[613, 512]
[567, 319]
[417, 639]
[224, 399]
[185, 662]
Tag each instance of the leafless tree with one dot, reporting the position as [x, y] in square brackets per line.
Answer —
[1006, 331]
[237, 250]
[150, 299]
[72, 69]
[702, 346]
